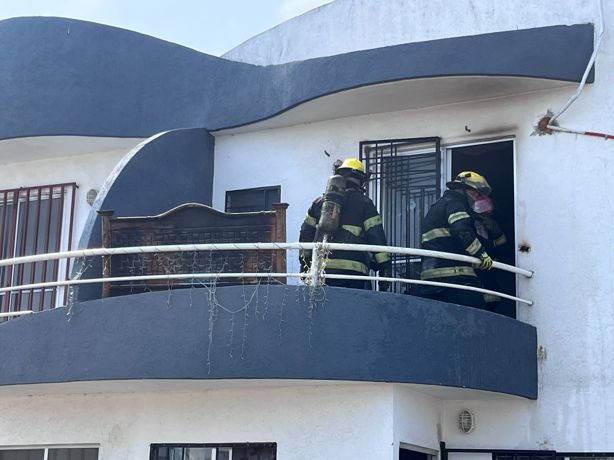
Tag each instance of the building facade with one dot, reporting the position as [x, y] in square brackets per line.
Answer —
[98, 118]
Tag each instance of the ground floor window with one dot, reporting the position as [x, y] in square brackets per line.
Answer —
[596, 456]
[502, 454]
[519, 455]
[50, 453]
[552, 455]
[251, 451]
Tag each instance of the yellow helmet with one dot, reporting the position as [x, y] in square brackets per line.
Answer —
[353, 168]
[471, 179]
[353, 164]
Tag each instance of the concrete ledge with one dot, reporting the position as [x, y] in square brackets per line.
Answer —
[351, 335]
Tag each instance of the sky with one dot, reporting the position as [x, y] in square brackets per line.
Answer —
[211, 26]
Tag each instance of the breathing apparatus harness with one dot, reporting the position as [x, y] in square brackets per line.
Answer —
[345, 175]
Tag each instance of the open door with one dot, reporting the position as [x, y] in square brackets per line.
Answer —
[406, 177]
[495, 161]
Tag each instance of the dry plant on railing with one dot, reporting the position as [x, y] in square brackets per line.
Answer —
[84, 264]
[314, 281]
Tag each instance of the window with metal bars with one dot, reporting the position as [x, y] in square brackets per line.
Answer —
[251, 451]
[64, 453]
[35, 220]
[404, 181]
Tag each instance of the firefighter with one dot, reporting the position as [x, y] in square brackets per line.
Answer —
[358, 223]
[450, 227]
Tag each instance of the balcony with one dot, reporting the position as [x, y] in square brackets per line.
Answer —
[272, 332]
[189, 325]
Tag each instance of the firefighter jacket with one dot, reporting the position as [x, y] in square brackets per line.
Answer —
[449, 227]
[360, 223]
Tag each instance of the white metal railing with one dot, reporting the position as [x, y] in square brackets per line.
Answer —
[316, 276]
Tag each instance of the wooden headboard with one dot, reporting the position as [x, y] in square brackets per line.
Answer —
[191, 223]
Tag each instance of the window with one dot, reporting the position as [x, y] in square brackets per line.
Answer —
[52, 453]
[252, 199]
[248, 451]
[35, 220]
[404, 181]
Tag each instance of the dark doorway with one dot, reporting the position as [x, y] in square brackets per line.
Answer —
[406, 454]
[495, 161]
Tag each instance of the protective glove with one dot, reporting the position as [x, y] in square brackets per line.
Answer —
[486, 261]
[385, 285]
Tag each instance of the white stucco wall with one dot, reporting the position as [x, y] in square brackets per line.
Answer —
[568, 417]
[350, 25]
[343, 422]
[88, 169]
[564, 209]
[417, 419]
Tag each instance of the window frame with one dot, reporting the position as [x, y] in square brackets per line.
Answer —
[11, 228]
[263, 189]
[409, 147]
[45, 448]
[446, 159]
[211, 446]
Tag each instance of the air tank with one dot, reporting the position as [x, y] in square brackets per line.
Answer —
[334, 197]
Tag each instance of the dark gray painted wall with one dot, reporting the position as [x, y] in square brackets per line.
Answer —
[168, 170]
[353, 335]
[63, 76]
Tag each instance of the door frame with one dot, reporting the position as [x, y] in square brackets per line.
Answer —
[446, 169]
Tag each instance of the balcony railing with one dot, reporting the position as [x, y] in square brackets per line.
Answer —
[315, 277]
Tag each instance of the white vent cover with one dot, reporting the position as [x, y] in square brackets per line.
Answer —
[466, 421]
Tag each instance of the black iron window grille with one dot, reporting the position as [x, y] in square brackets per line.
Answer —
[246, 451]
[404, 181]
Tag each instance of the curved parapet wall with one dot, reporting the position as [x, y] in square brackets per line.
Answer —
[167, 170]
[63, 76]
[273, 332]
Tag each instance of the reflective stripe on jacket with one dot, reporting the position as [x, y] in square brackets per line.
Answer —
[360, 223]
[449, 227]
